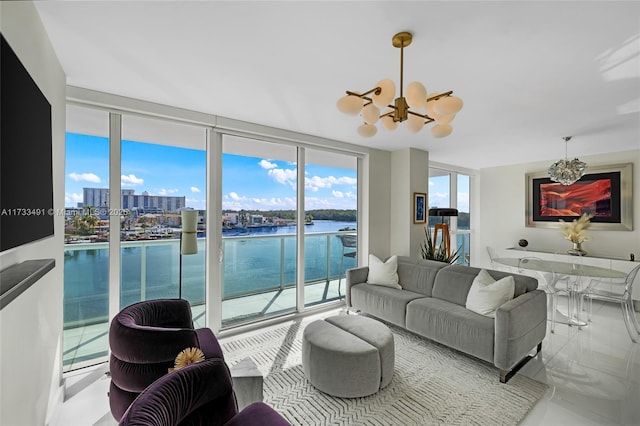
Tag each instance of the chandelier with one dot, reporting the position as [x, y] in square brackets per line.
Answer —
[564, 171]
[440, 108]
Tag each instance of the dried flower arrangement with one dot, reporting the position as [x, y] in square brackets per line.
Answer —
[187, 356]
[576, 231]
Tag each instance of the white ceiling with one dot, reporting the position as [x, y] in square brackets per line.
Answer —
[528, 72]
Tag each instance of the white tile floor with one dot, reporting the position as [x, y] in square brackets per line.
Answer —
[593, 376]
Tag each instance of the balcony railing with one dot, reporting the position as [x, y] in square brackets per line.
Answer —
[150, 269]
[255, 268]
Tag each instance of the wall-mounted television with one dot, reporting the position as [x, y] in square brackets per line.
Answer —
[26, 170]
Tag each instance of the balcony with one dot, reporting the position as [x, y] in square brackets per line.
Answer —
[258, 281]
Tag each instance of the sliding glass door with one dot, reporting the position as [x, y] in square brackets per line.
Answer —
[259, 215]
[163, 171]
[86, 248]
[285, 217]
[330, 232]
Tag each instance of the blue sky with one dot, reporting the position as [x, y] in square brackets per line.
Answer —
[439, 193]
[248, 182]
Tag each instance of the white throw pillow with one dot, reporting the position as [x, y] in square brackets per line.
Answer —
[383, 273]
[487, 294]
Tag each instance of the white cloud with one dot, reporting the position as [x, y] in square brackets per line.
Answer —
[316, 182]
[131, 180]
[85, 177]
[195, 189]
[234, 201]
[72, 198]
[337, 194]
[234, 196]
[266, 164]
[284, 176]
[163, 191]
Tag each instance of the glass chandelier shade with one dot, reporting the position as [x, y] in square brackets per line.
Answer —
[565, 171]
[441, 108]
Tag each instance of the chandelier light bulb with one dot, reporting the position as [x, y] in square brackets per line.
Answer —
[386, 95]
[351, 105]
[367, 130]
[444, 119]
[371, 114]
[416, 95]
[441, 130]
[388, 123]
[448, 105]
[430, 107]
[415, 123]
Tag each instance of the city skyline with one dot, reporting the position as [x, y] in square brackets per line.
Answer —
[249, 183]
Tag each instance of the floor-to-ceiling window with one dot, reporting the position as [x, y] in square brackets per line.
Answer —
[86, 249]
[451, 189]
[259, 198]
[331, 223]
[163, 171]
[136, 173]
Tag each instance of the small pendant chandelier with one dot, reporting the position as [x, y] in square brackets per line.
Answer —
[567, 171]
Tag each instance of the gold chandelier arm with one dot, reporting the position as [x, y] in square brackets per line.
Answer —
[425, 116]
[441, 95]
[376, 90]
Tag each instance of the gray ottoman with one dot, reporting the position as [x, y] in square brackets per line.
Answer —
[348, 356]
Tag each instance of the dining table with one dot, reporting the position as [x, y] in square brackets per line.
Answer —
[577, 276]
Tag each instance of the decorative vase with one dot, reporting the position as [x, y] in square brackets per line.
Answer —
[577, 250]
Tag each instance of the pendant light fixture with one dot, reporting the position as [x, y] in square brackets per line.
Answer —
[375, 104]
[567, 171]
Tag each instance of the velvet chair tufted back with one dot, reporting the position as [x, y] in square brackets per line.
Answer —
[198, 394]
[144, 339]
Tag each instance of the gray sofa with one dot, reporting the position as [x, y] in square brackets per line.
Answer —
[431, 304]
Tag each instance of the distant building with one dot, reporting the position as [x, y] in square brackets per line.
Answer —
[143, 203]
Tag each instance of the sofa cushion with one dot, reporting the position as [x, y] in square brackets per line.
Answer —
[383, 273]
[453, 283]
[452, 325]
[385, 303]
[417, 275]
[487, 294]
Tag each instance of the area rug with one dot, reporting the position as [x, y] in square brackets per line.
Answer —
[432, 384]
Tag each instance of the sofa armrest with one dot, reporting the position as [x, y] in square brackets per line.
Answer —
[520, 325]
[354, 276]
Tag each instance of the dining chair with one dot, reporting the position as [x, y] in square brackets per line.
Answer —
[548, 279]
[349, 250]
[622, 296]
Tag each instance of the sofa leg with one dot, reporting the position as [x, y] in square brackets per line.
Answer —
[506, 375]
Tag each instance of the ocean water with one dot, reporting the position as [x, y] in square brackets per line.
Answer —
[261, 260]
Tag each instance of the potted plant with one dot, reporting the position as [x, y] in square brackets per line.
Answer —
[438, 254]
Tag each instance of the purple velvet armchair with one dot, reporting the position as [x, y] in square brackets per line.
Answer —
[144, 339]
[198, 394]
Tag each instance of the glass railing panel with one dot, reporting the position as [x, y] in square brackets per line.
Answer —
[259, 281]
[86, 304]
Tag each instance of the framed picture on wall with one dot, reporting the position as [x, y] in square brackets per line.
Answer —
[419, 207]
[604, 193]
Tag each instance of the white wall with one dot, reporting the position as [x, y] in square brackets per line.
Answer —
[377, 204]
[409, 174]
[502, 213]
[31, 325]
